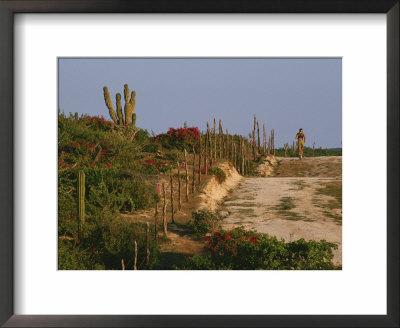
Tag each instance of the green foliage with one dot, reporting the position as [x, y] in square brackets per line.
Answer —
[174, 155]
[219, 173]
[181, 138]
[111, 158]
[203, 221]
[308, 151]
[151, 148]
[106, 240]
[239, 249]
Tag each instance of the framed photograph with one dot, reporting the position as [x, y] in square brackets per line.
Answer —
[182, 165]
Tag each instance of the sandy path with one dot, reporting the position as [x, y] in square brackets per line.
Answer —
[290, 207]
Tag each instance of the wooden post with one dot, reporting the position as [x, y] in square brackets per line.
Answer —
[242, 154]
[220, 139]
[164, 212]
[122, 264]
[205, 154]
[179, 188]
[227, 148]
[208, 142]
[147, 243]
[264, 140]
[187, 176]
[234, 156]
[215, 139]
[155, 220]
[172, 196]
[135, 260]
[254, 146]
[81, 202]
[200, 150]
[313, 149]
[194, 170]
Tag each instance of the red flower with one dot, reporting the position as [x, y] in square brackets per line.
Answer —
[213, 249]
[227, 236]
[226, 246]
[205, 237]
[93, 249]
[208, 243]
[219, 239]
[108, 164]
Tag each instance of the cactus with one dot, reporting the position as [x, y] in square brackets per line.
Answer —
[119, 110]
[129, 104]
[81, 200]
[129, 108]
[134, 120]
[109, 105]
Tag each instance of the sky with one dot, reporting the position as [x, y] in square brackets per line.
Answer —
[286, 94]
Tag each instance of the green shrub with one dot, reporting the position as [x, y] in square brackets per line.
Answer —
[173, 155]
[219, 173]
[239, 249]
[203, 221]
[105, 241]
[151, 148]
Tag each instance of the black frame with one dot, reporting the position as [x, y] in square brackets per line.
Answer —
[7, 10]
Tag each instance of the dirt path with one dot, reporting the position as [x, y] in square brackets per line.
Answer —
[301, 200]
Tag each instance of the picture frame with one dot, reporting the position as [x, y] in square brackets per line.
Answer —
[7, 10]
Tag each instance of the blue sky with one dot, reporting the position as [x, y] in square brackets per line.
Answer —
[285, 94]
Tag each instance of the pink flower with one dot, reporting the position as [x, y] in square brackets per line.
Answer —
[158, 189]
[108, 164]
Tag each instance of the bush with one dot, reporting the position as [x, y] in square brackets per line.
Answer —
[239, 249]
[151, 148]
[181, 138]
[203, 221]
[105, 241]
[219, 173]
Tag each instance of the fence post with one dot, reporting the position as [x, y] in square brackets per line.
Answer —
[194, 170]
[200, 160]
[208, 142]
[135, 260]
[187, 176]
[81, 202]
[172, 196]
[164, 212]
[147, 243]
[215, 139]
[264, 140]
[155, 221]
[179, 188]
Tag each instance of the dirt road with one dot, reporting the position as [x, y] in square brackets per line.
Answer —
[302, 199]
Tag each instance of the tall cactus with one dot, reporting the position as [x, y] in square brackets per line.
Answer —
[109, 105]
[129, 104]
[81, 200]
[119, 109]
[129, 108]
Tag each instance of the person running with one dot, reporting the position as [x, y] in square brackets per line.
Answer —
[301, 139]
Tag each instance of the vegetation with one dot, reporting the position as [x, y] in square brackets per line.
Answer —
[111, 168]
[308, 152]
[203, 221]
[219, 174]
[239, 249]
